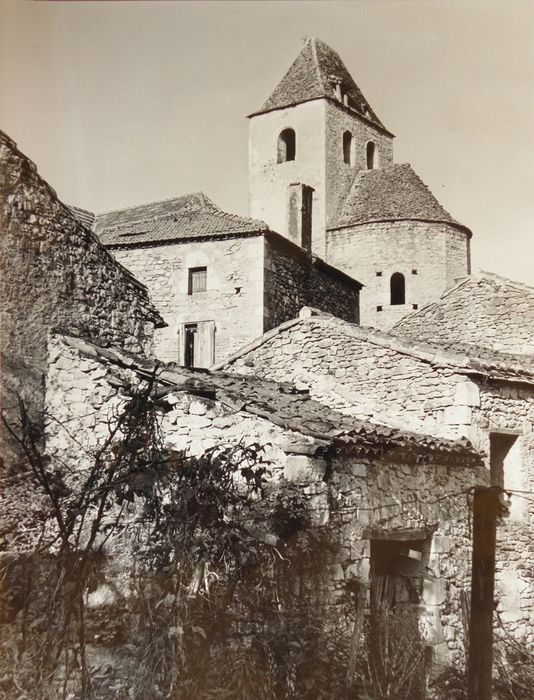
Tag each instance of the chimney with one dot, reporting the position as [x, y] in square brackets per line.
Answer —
[299, 214]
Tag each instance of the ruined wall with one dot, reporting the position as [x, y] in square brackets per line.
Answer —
[508, 409]
[382, 384]
[294, 279]
[55, 274]
[360, 499]
[431, 256]
[233, 298]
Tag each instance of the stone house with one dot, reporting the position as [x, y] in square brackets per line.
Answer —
[218, 279]
[395, 501]
[448, 389]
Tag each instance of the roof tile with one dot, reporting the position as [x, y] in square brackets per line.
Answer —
[484, 315]
[281, 404]
[313, 75]
[390, 194]
[185, 217]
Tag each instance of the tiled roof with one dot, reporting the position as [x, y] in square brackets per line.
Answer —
[314, 74]
[486, 312]
[189, 216]
[390, 194]
[466, 357]
[290, 409]
[86, 218]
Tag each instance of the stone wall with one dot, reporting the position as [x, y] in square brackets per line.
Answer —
[509, 410]
[269, 180]
[294, 279]
[361, 499]
[253, 284]
[344, 369]
[340, 175]
[319, 126]
[431, 256]
[55, 274]
[233, 298]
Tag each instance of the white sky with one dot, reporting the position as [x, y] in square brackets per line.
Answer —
[122, 103]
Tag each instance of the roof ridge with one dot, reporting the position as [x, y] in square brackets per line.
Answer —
[339, 426]
[220, 213]
[313, 42]
[132, 208]
[487, 274]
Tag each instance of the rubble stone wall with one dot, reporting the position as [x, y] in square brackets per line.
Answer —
[294, 279]
[385, 385]
[356, 376]
[431, 256]
[55, 274]
[360, 499]
[509, 409]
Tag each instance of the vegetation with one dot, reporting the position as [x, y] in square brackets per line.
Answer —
[169, 561]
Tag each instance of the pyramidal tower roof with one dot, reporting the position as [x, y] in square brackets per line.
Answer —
[317, 72]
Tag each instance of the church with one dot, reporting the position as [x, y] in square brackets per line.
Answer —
[330, 211]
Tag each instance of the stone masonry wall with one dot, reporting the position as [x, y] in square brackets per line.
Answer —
[508, 409]
[343, 370]
[382, 384]
[55, 274]
[340, 175]
[373, 252]
[372, 499]
[294, 280]
[234, 295]
[269, 180]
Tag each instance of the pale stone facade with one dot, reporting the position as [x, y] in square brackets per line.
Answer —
[370, 218]
[253, 283]
[430, 256]
[319, 127]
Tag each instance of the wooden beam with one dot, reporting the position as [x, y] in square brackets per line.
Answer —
[480, 661]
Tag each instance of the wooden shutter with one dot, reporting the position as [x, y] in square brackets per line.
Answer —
[205, 344]
[181, 345]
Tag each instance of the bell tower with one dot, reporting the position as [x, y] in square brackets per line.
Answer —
[308, 142]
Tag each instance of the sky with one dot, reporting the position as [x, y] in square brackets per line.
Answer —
[121, 103]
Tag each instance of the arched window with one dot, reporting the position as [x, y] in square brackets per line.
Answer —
[286, 145]
[371, 154]
[347, 148]
[398, 289]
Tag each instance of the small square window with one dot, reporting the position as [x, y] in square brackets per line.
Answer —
[415, 306]
[197, 279]
[379, 274]
[379, 308]
[414, 272]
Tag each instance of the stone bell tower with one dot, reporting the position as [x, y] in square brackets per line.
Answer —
[307, 143]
